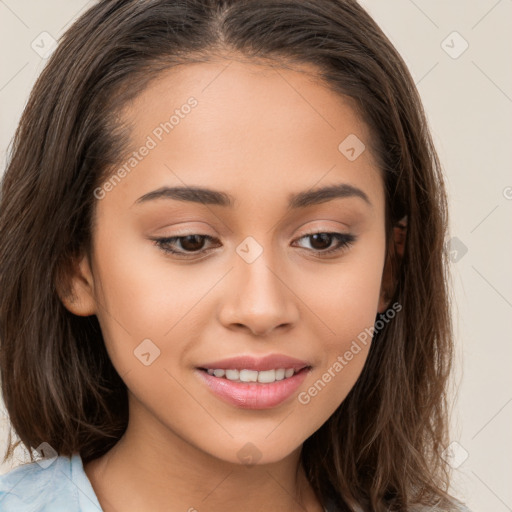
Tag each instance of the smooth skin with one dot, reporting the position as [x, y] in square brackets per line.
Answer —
[258, 133]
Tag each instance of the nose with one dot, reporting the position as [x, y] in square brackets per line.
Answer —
[258, 298]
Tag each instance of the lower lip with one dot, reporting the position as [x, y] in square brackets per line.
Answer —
[253, 395]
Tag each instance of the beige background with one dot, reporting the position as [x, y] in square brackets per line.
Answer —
[468, 99]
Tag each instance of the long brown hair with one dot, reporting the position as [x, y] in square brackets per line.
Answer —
[382, 448]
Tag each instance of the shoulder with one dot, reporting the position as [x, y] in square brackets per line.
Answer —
[33, 486]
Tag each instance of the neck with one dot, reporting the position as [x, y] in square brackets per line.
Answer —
[152, 468]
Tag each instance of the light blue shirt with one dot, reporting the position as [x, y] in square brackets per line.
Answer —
[63, 486]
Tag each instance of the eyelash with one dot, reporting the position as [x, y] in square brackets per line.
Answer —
[345, 240]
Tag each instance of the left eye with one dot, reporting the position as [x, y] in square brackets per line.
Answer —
[194, 244]
[320, 239]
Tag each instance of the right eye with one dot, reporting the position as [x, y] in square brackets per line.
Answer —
[190, 244]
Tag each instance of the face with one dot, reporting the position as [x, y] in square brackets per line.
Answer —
[259, 268]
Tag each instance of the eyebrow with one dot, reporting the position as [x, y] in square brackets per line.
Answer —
[297, 200]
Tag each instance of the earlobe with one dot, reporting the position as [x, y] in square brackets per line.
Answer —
[75, 288]
[393, 260]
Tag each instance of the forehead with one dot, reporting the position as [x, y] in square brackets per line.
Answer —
[241, 123]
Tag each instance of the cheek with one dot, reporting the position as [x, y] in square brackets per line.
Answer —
[141, 290]
[344, 296]
[345, 304]
[136, 300]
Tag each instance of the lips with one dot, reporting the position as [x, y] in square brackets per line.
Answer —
[270, 362]
[221, 377]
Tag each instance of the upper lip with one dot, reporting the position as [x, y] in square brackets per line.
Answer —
[269, 362]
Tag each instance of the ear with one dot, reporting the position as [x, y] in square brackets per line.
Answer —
[393, 260]
[75, 287]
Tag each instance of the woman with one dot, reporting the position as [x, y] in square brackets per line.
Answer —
[222, 267]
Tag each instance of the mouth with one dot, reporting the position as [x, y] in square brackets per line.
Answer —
[254, 383]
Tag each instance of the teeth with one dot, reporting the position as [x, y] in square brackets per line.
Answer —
[263, 377]
[232, 374]
[248, 376]
[267, 376]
